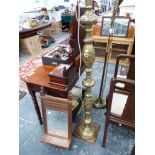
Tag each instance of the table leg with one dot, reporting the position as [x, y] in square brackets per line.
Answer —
[34, 99]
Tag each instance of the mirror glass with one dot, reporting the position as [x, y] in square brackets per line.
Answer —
[57, 123]
[120, 26]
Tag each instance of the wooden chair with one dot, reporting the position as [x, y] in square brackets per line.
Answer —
[131, 70]
[121, 99]
[133, 150]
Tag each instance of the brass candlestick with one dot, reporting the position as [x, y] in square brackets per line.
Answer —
[87, 129]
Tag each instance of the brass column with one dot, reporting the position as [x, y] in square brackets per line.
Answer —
[87, 129]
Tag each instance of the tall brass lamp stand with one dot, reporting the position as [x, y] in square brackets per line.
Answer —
[100, 102]
[87, 129]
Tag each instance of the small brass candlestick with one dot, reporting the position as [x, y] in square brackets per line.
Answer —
[87, 129]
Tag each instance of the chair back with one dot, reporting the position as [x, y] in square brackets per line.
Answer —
[131, 70]
[121, 102]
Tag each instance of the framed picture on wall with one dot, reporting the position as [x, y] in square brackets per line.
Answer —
[120, 27]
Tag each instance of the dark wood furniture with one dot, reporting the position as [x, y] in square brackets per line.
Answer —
[53, 135]
[127, 117]
[74, 34]
[41, 78]
[57, 56]
[131, 71]
[133, 150]
[33, 31]
[121, 88]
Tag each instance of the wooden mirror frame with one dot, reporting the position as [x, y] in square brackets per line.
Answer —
[117, 17]
[61, 105]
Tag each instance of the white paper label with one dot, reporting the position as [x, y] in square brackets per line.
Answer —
[86, 54]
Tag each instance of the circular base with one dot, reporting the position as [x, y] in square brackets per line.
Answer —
[99, 103]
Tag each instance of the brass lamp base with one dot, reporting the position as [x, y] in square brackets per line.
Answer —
[99, 103]
[90, 140]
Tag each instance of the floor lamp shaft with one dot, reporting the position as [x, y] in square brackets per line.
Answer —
[103, 74]
[98, 101]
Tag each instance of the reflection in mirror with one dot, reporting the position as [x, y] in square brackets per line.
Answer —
[57, 123]
[118, 103]
[120, 28]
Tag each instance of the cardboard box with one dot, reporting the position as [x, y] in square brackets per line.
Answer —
[56, 25]
[56, 31]
[31, 45]
[46, 31]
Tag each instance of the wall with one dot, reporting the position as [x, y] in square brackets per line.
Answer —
[130, 9]
[29, 5]
[52, 3]
[127, 6]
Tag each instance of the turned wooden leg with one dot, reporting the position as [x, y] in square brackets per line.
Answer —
[34, 99]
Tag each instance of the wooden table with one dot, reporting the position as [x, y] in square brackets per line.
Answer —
[32, 31]
[40, 78]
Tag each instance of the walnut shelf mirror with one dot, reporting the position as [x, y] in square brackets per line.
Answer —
[57, 120]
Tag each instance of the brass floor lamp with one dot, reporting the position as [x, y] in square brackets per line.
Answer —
[100, 102]
[87, 129]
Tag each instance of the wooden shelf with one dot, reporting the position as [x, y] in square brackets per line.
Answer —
[113, 61]
[114, 49]
[65, 143]
[116, 40]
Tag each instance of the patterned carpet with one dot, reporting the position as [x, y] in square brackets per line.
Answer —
[21, 94]
[29, 67]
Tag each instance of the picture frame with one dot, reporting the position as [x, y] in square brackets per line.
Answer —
[121, 26]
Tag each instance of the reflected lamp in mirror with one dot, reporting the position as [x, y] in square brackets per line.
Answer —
[57, 120]
[120, 27]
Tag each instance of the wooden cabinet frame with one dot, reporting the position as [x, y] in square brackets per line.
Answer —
[116, 40]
